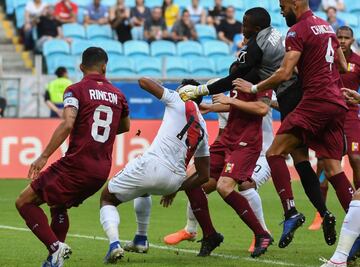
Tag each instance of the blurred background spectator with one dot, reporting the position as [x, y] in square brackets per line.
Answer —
[184, 29]
[33, 10]
[229, 26]
[333, 20]
[2, 106]
[338, 4]
[170, 12]
[155, 27]
[120, 21]
[314, 5]
[138, 14]
[197, 12]
[66, 11]
[216, 14]
[54, 93]
[96, 13]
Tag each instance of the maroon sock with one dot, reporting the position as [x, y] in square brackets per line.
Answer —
[59, 223]
[282, 182]
[343, 188]
[324, 190]
[199, 206]
[37, 221]
[243, 209]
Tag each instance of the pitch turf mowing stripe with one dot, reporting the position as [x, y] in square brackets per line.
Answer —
[190, 251]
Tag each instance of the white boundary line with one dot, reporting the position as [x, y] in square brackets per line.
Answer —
[190, 251]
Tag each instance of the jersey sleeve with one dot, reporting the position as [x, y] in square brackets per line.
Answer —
[169, 96]
[265, 94]
[71, 97]
[223, 119]
[293, 41]
[125, 107]
[203, 148]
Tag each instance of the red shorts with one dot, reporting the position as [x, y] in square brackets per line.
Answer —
[57, 188]
[352, 133]
[319, 125]
[238, 164]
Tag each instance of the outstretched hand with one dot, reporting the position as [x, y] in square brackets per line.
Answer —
[351, 96]
[36, 167]
[242, 85]
[167, 200]
[221, 99]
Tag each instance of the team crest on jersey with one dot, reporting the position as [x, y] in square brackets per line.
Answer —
[354, 146]
[351, 67]
[291, 34]
[229, 167]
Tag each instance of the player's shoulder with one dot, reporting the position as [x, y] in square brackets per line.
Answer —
[355, 58]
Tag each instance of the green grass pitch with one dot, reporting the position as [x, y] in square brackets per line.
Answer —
[20, 248]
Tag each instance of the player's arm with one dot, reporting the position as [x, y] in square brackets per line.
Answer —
[152, 87]
[351, 96]
[58, 137]
[124, 125]
[284, 73]
[341, 60]
[260, 107]
[206, 108]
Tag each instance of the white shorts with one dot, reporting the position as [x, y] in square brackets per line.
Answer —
[261, 172]
[144, 175]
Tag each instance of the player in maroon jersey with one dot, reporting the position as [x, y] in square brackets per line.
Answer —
[94, 113]
[317, 121]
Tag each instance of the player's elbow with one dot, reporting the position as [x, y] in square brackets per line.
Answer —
[284, 74]
[143, 82]
[263, 110]
[68, 126]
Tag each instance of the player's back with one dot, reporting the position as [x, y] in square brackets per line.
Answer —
[100, 108]
[317, 42]
[181, 135]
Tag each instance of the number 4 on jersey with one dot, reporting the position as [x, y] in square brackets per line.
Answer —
[330, 54]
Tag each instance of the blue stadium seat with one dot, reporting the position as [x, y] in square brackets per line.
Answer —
[120, 66]
[149, 66]
[135, 48]
[277, 20]
[183, 3]
[258, 3]
[274, 6]
[10, 7]
[207, 3]
[17, 3]
[201, 67]
[189, 49]
[349, 18]
[81, 14]
[54, 50]
[352, 6]
[74, 30]
[176, 67]
[108, 3]
[239, 15]
[99, 32]
[222, 65]
[239, 5]
[216, 49]
[20, 16]
[154, 3]
[320, 14]
[111, 47]
[82, 3]
[51, 2]
[205, 32]
[357, 33]
[67, 61]
[78, 46]
[162, 48]
[130, 3]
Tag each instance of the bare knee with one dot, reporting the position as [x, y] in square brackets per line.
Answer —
[356, 195]
[332, 167]
[108, 198]
[225, 186]
[28, 195]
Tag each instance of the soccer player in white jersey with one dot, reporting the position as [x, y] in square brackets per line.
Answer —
[161, 170]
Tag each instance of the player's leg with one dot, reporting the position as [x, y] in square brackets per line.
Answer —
[282, 145]
[349, 234]
[59, 222]
[354, 160]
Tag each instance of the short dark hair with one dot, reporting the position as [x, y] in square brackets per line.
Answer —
[60, 72]
[345, 28]
[94, 57]
[259, 17]
[331, 7]
[195, 83]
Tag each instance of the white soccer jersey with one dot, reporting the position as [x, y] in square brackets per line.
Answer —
[181, 129]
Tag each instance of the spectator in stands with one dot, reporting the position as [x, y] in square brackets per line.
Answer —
[333, 20]
[66, 11]
[120, 21]
[2, 106]
[55, 92]
[216, 14]
[338, 4]
[96, 13]
[314, 5]
[197, 12]
[33, 10]
[138, 14]
[155, 27]
[229, 26]
[183, 29]
[170, 12]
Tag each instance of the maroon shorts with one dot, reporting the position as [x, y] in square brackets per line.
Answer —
[238, 164]
[352, 133]
[319, 125]
[57, 188]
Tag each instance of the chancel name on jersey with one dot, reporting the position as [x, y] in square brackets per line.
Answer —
[96, 94]
[322, 29]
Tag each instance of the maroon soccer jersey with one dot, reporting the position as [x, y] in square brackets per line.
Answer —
[100, 108]
[317, 42]
[351, 80]
[243, 129]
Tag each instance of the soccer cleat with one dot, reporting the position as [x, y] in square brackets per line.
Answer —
[177, 237]
[114, 254]
[262, 242]
[316, 224]
[252, 245]
[355, 250]
[58, 257]
[209, 243]
[330, 263]
[290, 226]
[46, 264]
[140, 244]
[329, 230]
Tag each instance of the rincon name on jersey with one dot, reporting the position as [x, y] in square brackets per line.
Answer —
[96, 94]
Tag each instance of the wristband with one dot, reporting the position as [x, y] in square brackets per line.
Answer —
[254, 89]
[202, 90]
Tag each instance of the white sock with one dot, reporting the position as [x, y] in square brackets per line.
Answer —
[254, 200]
[110, 220]
[142, 206]
[350, 231]
[191, 223]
